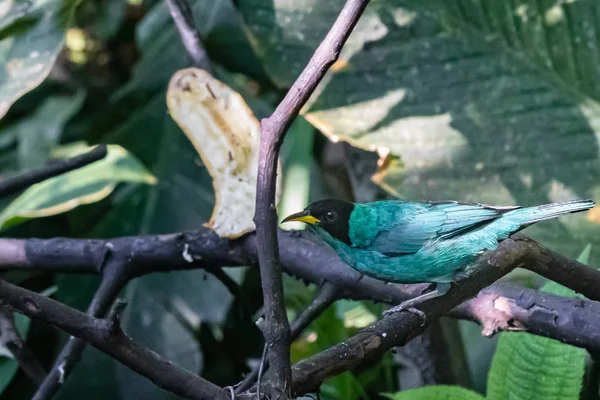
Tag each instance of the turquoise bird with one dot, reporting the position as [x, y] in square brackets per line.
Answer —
[409, 242]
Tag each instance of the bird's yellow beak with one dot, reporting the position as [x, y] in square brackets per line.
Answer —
[303, 216]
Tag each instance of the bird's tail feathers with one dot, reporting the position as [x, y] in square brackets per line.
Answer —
[530, 215]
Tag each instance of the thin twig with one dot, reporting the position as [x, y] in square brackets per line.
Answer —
[233, 287]
[113, 279]
[26, 179]
[110, 339]
[12, 340]
[261, 367]
[276, 329]
[327, 295]
[183, 16]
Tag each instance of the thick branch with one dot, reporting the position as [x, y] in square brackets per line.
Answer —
[26, 179]
[508, 307]
[397, 329]
[276, 329]
[113, 279]
[103, 335]
[301, 255]
[12, 340]
[561, 269]
[183, 17]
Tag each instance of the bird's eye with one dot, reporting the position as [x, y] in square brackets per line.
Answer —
[330, 216]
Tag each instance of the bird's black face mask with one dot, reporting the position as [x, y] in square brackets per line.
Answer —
[333, 216]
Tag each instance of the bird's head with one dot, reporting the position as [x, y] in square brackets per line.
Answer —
[333, 216]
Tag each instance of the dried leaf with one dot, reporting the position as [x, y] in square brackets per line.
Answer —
[226, 134]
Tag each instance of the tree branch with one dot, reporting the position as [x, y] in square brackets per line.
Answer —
[562, 269]
[508, 307]
[107, 336]
[276, 329]
[397, 329]
[544, 311]
[327, 295]
[114, 278]
[26, 179]
[12, 340]
[182, 15]
[302, 256]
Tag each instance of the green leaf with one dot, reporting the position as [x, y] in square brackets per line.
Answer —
[584, 257]
[8, 366]
[297, 153]
[32, 33]
[528, 367]
[83, 186]
[487, 101]
[163, 53]
[439, 392]
[39, 132]
[355, 314]
[101, 18]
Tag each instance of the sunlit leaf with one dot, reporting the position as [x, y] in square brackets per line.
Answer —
[526, 366]
[487, 101]
[297, 151]
[32, 34]
[82, 186]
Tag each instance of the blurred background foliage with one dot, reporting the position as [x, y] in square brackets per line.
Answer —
[478, 100]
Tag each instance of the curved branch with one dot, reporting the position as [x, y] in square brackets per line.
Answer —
[398, 328]
[110, 339]
[302, 256]
[114, 279]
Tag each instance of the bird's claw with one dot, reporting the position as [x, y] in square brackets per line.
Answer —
[403, 307]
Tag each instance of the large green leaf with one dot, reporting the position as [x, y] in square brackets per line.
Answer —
[39, 132]
[32, 34]
[82, 186]
[490, 101]
[531, 367]
[438, 392]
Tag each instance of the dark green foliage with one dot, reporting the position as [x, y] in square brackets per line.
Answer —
[493, 101]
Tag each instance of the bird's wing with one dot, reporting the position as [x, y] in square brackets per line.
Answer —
[436, 220]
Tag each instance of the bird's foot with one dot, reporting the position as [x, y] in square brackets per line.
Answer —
[404, 307]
